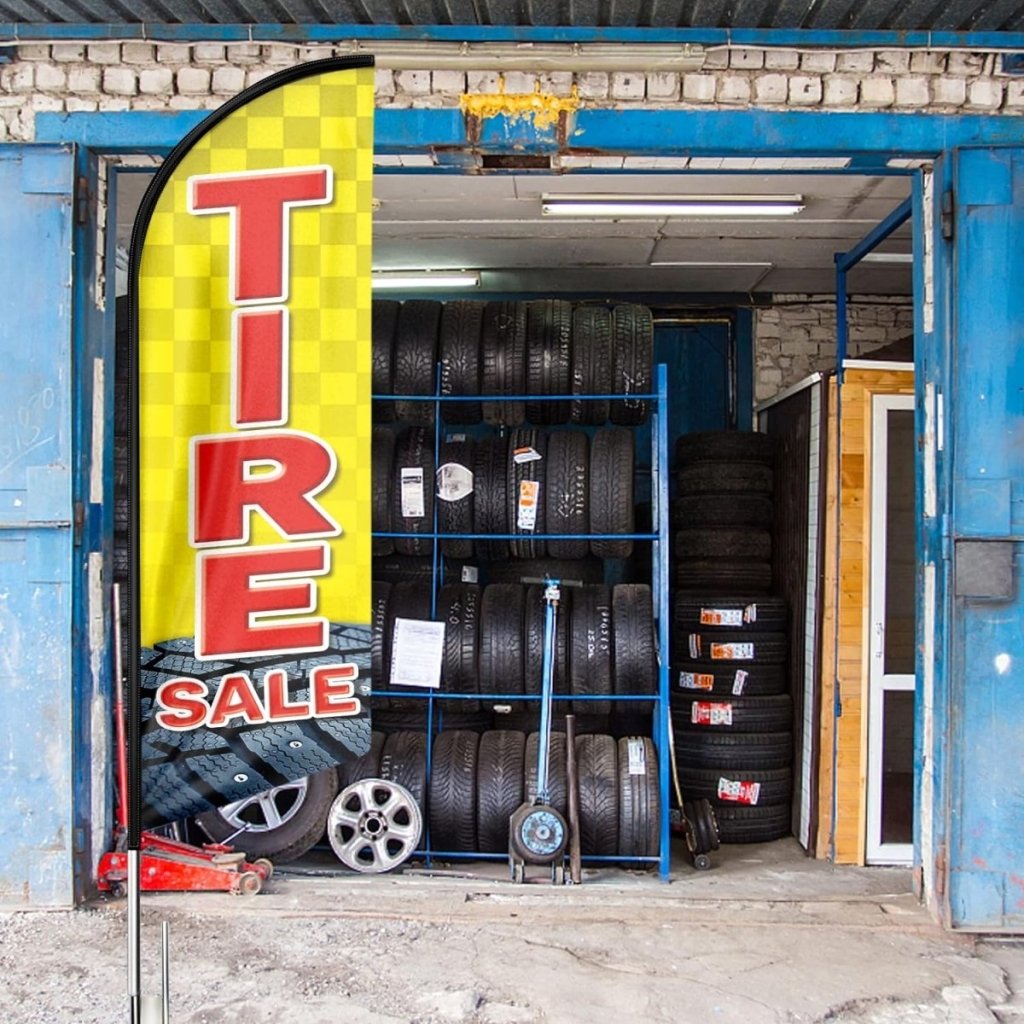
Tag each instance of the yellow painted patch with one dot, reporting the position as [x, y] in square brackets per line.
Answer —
[543, 108]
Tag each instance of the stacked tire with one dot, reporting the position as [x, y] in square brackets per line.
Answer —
[732, 714]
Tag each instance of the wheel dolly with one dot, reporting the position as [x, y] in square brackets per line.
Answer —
[696, 820]
[537, 832]
[166, 864]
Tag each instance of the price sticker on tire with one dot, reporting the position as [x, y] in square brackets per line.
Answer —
[739, 791]
[711, 713]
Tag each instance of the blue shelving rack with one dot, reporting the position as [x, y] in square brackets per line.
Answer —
[660, 584]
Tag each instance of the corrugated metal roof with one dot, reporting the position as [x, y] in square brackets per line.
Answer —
[857, 15]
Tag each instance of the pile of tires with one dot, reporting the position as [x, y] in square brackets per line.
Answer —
[493, 646]
[732, 715]
[477, 780]
[528, 483]
[545, 347]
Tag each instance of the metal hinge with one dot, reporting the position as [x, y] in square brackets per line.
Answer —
[83, 198]
[947, 215]
[940, 871]
[79, 523]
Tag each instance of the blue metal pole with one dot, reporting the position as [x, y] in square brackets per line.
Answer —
[659, 492]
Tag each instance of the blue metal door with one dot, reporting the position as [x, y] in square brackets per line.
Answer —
[985, 407]
[36, 523]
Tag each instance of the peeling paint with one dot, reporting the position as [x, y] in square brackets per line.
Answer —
[542, 108]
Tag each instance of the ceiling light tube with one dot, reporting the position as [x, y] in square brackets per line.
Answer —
[670, 206]
[432, 279]
[887, 257]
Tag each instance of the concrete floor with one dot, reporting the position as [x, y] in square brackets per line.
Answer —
[765, 936]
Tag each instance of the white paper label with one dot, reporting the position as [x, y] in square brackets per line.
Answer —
[750, 613]
[694, 646]
[739, 682]
[412, 492]
[710, 713]
[732, 652]
[637, 756]
[721, 617]
[521, 455]
[738, 791]
[696, 681]
[470, 574]
[455, 438]
[526, 514]
[416, 652]
[454, 482]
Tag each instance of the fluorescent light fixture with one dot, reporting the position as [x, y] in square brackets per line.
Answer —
[670, 206]
[703, 264]
[431, 279]
[887, 257]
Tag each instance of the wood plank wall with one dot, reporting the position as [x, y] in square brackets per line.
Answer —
[845, 626]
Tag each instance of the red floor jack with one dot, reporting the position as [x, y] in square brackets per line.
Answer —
[165, 864]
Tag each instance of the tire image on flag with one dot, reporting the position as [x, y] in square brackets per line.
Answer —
[251, 301]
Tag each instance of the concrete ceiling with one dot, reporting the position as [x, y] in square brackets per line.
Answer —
[493, 223]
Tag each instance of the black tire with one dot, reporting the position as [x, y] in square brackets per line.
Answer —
[597, 773]
[414, 454]
[724, 478]
[591, 363]
[754, 824]
[367, 766]
[302, 809]
[415, 358]
[385, 324]
[549, 357]
[611, 490]
[521, 441]
[409, 600]
[725, 446]
[529, 721]
[723, 575]
[583, 570]
[503, 362]
[455, 513]
[568, 491]
[639, 798]
[733, 714]
[461, 326]
[458, 607]
[720, 787]
[632, 361]
[734, 679]
[558, 789]
[403, 760]
[452, 797]
[733, 544]
[634, 653]
[590, 656]
[694, 612]
[403, 568]
[753, 511]
[383, 480]
[411, 715]
[499, 787]
[490, 501]
[534, 610]
[185, 773]
[737, 751]
[501, 639]
[380, 643]
[719, 646]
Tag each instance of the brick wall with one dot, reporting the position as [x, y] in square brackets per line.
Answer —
[68, 77]
[797, 336]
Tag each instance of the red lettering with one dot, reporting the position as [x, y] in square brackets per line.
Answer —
[235, 698]
[240, 590]
[258, 203]
[333, 690]
[226, 485]
[182, 705]
[275, 694]
[259, 368]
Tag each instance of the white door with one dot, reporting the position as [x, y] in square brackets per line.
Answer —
[890, 803]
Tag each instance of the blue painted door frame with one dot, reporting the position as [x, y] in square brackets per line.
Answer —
[948, 774]
[37, 702]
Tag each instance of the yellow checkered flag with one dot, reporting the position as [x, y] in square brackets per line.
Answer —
[250, 289]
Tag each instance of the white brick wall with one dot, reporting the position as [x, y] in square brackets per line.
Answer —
[797, 336]
[168, 76]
